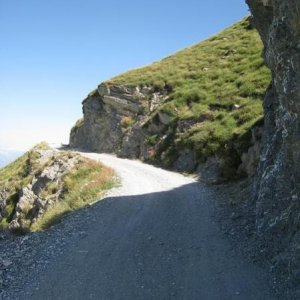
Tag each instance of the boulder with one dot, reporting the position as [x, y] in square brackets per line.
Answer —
[103, 130]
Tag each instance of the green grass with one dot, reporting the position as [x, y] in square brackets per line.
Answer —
[83, 184]
[17, 175]
[21, 171]
[220, 82]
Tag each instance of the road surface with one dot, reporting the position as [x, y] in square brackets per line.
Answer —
[154, 238]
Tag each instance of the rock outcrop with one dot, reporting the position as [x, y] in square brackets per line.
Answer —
[191, 111]
[127, 121]
[278, 182]
[109, 112]
[45, 171]
[117, 118]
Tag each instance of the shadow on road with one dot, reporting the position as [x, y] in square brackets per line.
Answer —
[163, 245]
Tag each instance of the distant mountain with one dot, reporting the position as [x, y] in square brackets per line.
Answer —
[7, 156]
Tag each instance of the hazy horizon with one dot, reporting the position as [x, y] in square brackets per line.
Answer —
[8, 156]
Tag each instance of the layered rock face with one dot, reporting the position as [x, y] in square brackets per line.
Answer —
[105, 112]
[127, 121]
[278, 181]
[117, 119]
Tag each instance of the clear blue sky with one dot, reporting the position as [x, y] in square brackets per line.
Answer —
[53, 53]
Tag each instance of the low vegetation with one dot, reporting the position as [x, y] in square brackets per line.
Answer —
[217, 86]
[71, 189]
[21, 172]
[86, 183]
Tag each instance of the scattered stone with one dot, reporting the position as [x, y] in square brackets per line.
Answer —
[6, 263]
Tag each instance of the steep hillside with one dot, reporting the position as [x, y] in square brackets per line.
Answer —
[45, 183]
[200, 104]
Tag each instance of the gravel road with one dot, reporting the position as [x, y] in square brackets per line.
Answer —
[154, 237]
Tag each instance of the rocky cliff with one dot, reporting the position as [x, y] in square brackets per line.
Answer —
[45, 183]
[33, 186]
[278, 180]
[114, 120]
[197, 110]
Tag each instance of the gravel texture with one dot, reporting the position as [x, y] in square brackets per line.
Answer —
[154, 237]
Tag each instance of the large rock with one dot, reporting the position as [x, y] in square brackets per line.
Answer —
[101, 130]
[113, 119]
[103, 114]
[27, 198]
[3, 202]
[278, 181]
[36, 197]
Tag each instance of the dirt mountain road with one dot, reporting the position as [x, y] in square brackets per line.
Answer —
[152, 238]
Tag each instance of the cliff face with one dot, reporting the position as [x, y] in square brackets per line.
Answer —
[117, 119]
[278, 181]
[104, 113]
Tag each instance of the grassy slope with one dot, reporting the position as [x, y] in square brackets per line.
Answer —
[84, 184]
[219, 82]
